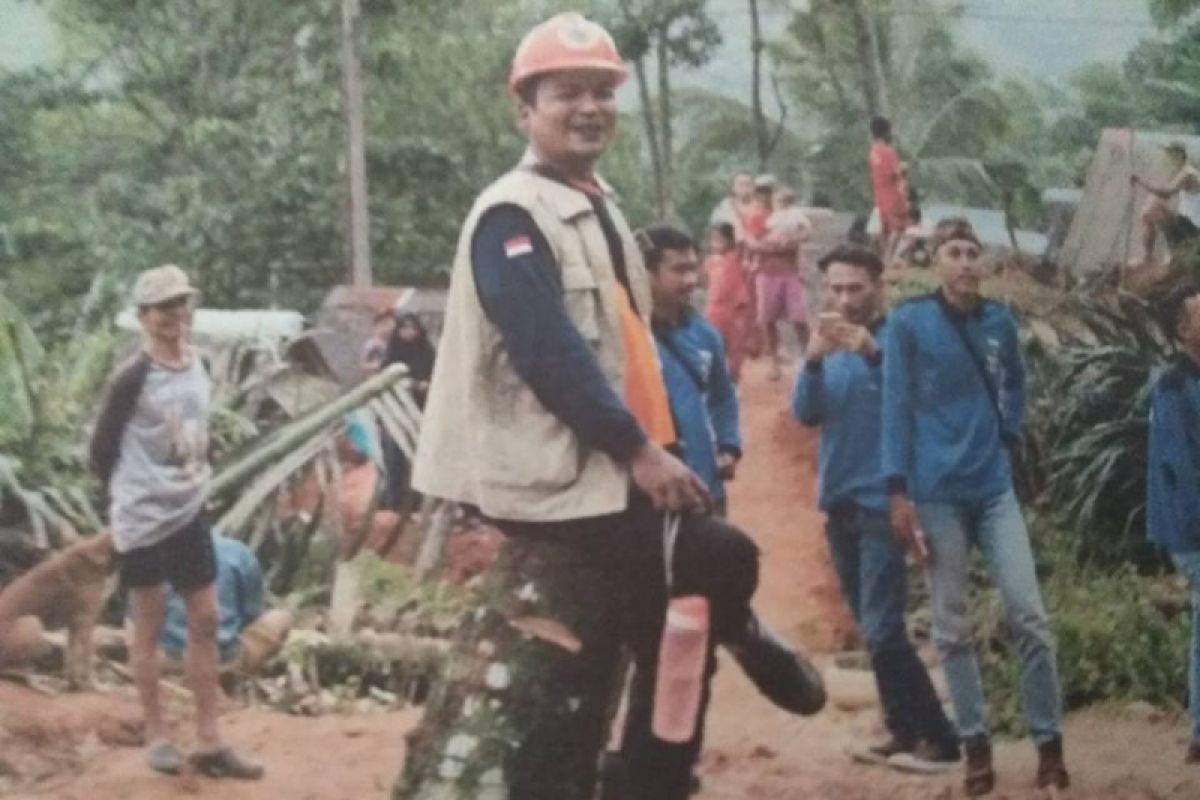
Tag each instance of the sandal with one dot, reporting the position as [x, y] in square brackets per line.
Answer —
[224, 763]
[164, 757]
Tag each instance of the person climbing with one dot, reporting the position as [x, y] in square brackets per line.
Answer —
[1181, 224]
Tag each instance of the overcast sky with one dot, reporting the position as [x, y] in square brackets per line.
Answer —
[1047, 38]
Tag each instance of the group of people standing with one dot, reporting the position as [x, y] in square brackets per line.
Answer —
[580, 402]
[755, 269]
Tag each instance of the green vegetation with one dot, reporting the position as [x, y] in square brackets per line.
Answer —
[1121, 636]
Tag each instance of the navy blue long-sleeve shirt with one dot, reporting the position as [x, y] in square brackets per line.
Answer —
[520, 289]
[943, 440]
[843, 394]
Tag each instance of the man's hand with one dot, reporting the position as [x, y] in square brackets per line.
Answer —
[906, 526]
[669, 483]
[858, 339]
[726, 465]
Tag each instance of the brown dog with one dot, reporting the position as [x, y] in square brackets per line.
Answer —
[66, 590]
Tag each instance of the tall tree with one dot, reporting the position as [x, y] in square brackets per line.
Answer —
[668, 34]
[874, 83]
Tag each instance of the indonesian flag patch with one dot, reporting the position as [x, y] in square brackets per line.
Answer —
[518, 246]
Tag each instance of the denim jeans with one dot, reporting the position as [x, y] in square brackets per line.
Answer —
[996, 527]
[1188, 565]
[870, 567]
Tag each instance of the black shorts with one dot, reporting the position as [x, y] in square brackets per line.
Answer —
[185, 559]
[1179, 229]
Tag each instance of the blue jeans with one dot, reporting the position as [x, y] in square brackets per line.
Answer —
[870, 567]
[996, 527]
[1188, 565]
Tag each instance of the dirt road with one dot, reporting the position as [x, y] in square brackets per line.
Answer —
[754, 751]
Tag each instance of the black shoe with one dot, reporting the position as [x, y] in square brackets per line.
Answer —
[926, 758]
[784, 676]
[224, 763]
[1052, 768]
[980, 778]
[879, 752]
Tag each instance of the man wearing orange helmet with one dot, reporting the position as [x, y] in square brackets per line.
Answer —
[548, 410]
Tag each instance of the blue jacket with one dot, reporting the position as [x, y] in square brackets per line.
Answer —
[239, 600]
[703, 397]
[944, 435]
[843, 393]
[1173, 460]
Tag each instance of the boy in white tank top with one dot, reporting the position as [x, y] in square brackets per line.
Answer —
[1181, 224]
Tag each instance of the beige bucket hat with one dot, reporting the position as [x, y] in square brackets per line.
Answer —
[160, 284]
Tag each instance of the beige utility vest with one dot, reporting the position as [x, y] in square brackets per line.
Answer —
[485, 438]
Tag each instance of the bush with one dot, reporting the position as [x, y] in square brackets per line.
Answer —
[1088, 425]
[1121, 636]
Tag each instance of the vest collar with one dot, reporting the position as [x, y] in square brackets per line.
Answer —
[567, 200]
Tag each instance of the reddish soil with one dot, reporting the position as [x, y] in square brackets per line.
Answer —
[69, 746]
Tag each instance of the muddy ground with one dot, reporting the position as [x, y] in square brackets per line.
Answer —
[76, 746]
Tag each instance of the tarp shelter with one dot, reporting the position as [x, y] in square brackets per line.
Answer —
[344, 321]
[218, 326]
[1105, 231]
[988, 223]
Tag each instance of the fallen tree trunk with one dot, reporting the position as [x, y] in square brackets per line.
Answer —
[522, 709]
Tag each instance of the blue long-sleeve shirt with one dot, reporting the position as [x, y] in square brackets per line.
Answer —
[239, 600]
[843, 394]
[702, 394]
[1173, 460]
[522, 295]
[943, 440]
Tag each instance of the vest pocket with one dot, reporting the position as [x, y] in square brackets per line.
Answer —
[581, 297]
[527, 448]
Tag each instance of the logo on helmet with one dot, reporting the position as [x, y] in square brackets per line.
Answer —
[579, 34]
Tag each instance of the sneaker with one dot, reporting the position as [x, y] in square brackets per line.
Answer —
[224, 763]
[878, 753]
[1052, 769]
[164, 757]
[1193, 753]
[785, 677]
[926, 758]
[980, 778]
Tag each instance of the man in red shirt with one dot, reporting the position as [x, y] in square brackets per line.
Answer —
[889, 185]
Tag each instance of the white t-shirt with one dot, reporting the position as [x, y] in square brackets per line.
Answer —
[788, 221]
[161, 478]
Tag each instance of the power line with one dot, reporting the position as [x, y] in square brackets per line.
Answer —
[958, 13]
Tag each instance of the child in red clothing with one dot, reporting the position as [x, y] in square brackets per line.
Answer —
[728, 299]
[754, 227]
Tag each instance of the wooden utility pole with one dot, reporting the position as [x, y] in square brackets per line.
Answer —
[762, 136]
[867, 40]
[356, 157]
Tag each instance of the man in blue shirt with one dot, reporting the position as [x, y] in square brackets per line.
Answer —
[1173, 468]
[700, 389]
[953, 398]
[704, 407]
[840, 389]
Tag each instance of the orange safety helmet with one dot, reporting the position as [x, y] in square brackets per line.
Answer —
[565, 41]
